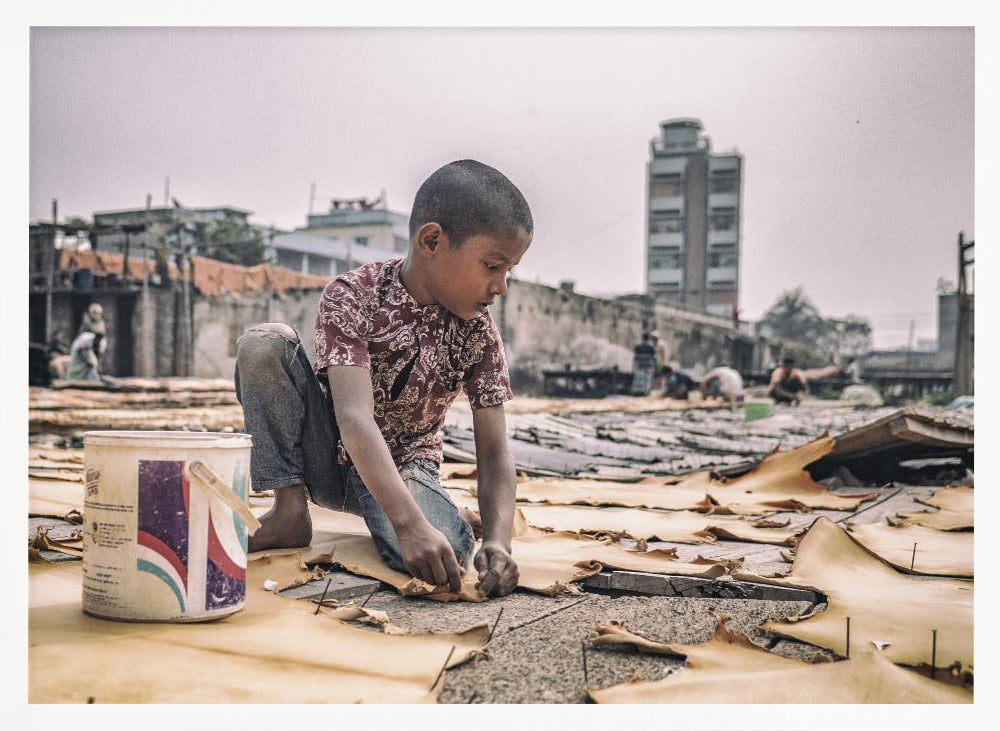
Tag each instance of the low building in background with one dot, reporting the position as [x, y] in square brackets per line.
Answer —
[363, 223]
[305, 252]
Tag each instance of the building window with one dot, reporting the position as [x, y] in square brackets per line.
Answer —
[722, 219]
[665, 186]
[724, 181]
[722, 284]
[361, 240]
[722, 256]
[665, 287]
[666, 223]
[289, 259]
[665, 259]
[319, 265]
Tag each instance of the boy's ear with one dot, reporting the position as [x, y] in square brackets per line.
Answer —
[431, 238]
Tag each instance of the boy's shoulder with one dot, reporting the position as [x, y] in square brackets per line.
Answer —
[369, 283]
[374, 274]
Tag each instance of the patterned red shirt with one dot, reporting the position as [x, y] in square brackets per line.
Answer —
[420, 356]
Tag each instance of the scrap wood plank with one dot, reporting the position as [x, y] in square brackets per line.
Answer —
[904, 431]
[70, 420]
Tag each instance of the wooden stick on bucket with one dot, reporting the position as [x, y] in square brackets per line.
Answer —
[204, 475]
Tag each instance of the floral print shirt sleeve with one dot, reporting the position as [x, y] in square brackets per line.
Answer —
[343, 323]
[487, 382]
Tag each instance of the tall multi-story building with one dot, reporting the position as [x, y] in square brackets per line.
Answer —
[693, 219]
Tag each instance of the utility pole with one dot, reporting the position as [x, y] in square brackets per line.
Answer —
[909, 347]
[166, 192]
[962, 376]
[312, 197]
[51, 277]
[145, 343]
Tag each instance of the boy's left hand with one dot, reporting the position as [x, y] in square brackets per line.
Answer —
[498, 574]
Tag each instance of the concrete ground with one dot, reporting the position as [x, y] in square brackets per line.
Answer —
[536, 654]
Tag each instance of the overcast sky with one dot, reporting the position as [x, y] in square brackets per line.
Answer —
[857, 143]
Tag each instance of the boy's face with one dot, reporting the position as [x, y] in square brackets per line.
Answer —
[465, 280]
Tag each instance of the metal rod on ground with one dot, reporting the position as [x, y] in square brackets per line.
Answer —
[369, 597]
[472, 697]
[913, 558]
[499, 614]
[513, 627]
[443, 667]
[848, 643]
[933, 652]
[323, 598]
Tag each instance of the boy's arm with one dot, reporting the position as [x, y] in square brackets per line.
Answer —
[498, 574]
[425, 551]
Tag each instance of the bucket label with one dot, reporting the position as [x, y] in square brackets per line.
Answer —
[163, 537]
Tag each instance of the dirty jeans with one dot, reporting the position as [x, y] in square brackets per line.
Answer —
[295, 435]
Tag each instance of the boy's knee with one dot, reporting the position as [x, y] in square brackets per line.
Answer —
[263, 345]
[272, 329]
[462, 540]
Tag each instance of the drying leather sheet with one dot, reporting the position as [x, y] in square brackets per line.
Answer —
[617, 404]
[691, 494]
[547, 562]
[779, 482]
[729, 668]
[276, 650]
[932, 552]
[955, 510]
[54, 498]
[677, 526]
[884, 605]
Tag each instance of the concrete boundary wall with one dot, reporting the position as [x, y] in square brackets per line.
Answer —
[547, 327]
[543, 328]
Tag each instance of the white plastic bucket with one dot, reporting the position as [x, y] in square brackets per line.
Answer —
[165, 525]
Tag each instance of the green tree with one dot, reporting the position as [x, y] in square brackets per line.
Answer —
[792, 317]
[229, 241]
[847, 338]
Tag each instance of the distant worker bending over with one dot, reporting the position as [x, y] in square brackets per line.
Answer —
[84, 355]
[396, 342]
[788, 383]
[723, 382]
[678, 384]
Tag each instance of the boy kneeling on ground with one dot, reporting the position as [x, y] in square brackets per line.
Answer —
[396, 341]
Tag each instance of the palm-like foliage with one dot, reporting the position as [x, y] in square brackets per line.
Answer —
[793, 317]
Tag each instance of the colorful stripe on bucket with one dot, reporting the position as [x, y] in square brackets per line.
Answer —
[163, 524]
[227, 551]
[151, 568]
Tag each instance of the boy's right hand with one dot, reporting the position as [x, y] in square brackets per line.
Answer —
[428, 555]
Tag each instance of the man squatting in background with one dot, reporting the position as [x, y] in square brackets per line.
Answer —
[395, 343]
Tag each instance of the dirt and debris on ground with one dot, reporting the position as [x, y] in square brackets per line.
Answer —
[537, 652]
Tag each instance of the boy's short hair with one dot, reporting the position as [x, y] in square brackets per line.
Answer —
[468, 198]
[789, 361]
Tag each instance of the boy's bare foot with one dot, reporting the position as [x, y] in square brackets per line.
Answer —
[287, 524]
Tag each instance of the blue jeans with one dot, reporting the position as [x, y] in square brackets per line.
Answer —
[291, 419]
